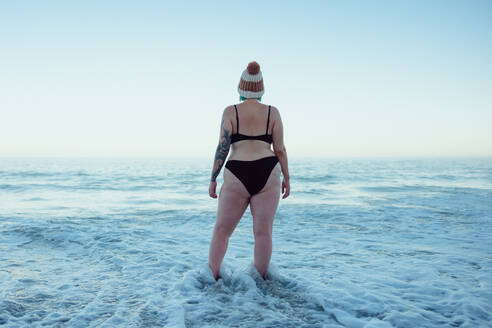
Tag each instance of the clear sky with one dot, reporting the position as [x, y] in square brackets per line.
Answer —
[151, 78]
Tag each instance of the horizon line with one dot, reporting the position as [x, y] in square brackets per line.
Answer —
[201, 157]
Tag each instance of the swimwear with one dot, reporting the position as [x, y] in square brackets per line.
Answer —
[252, 174]
[235, 137]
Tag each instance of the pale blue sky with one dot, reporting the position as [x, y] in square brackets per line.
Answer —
[151, 78]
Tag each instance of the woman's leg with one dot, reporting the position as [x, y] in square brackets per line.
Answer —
[233, 201]
[263, 207]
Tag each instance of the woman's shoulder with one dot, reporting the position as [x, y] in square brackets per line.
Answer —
[229, 110]
[274, 111]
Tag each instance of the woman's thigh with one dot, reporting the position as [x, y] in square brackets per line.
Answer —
[264, 204]
[233, 201]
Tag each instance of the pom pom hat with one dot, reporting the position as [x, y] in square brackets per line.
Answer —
[251, 82]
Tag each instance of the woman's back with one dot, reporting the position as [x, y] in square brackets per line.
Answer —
[251, 119]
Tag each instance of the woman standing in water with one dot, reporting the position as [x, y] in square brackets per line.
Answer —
[252, 175]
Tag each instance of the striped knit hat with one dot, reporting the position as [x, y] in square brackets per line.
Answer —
[251, 83]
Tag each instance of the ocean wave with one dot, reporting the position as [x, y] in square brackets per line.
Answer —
[52, 235]
[322, 178]
[390, 244]
[11, 187]
[241, 298]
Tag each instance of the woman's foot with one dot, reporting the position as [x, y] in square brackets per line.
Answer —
[214, 274]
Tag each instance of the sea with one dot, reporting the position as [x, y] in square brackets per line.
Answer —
[87, 242]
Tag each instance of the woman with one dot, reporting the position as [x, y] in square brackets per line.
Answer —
[252, 174]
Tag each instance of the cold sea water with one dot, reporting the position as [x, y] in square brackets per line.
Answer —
[359, 243]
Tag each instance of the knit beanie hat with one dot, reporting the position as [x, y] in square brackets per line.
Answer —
[251, 83]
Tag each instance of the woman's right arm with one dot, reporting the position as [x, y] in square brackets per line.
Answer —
[281, 152]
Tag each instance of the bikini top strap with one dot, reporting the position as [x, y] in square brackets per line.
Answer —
[268, 120]
[237, 120]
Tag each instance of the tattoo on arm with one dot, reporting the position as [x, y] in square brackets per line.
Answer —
[221, 152]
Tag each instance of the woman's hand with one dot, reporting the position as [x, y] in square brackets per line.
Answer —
[211, 189]
[285, 188]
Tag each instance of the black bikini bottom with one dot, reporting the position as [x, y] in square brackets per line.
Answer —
[253, 174]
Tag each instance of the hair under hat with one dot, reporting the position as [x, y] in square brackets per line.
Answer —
[251, 82]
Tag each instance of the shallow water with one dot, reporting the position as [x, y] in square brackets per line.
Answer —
[360, 243]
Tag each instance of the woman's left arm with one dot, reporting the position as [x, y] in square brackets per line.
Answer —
[221, 152]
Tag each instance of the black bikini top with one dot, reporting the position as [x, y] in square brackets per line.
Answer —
[263, 137]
